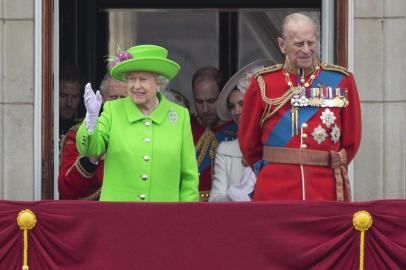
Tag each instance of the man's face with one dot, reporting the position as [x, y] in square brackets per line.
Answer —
[205, 94]
[299, 45]
[115, 89]
[69, 97]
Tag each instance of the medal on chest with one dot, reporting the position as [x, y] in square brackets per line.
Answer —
[299, 94]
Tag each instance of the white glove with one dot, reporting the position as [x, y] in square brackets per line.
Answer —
[93, 103]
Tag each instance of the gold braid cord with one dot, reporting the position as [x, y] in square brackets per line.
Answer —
[207, 142]
[362, 221]
[278, 102]
[26, 220]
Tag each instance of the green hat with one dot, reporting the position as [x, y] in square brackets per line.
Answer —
[150, 58]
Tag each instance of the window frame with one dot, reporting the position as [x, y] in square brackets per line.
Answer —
[49, 30]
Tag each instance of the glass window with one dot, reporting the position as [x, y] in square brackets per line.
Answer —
[258, 31]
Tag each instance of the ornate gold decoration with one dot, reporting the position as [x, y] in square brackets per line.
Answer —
[207, 142]
[362, 221]
[278, 102]
[296, 90]
[95, 196]
[26, 220]
[282, 100]
[204, 196]
[269, 69]
[338, 68]
[305, 84]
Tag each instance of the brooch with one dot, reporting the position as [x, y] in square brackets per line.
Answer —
[172, 116]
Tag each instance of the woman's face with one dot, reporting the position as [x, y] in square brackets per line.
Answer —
[142, 87]
[234, 104]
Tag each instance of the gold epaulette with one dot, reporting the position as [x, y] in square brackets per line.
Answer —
[332, 67]
[269, 69]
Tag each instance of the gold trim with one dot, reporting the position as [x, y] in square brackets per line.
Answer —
[362, 221]
[95, 196]
[82, 170]
[207, 142]
[269, 69]
[269, 102]
[204, 196]
[26, 220]
[332, 67]
[64, 137]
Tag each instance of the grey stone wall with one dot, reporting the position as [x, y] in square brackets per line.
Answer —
[16, 99]
[380, 68]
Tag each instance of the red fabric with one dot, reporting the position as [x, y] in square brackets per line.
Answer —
[271, 235]
[71, 183]
[284, 181]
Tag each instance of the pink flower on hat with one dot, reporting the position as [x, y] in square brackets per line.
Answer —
[121, 56]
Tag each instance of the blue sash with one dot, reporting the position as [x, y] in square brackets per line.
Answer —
[282, 132]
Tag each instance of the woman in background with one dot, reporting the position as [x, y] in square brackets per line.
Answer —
[233, 180]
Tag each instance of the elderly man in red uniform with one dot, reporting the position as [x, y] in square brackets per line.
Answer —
[81, 177]
[208, 131]
[301, 122]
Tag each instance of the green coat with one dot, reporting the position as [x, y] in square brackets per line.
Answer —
[147, 158]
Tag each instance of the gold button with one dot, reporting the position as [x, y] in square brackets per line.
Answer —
[147, 140]
[304, 136]
[304, 146]
[304, 125]
[144, 177]
[146, 158]
[142, 196]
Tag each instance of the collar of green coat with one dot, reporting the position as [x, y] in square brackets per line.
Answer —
[135, 114]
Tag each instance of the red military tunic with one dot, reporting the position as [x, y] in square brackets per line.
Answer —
[206, 141]
[319, 128]
[78, 177]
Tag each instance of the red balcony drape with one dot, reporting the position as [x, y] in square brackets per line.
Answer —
[276, 235]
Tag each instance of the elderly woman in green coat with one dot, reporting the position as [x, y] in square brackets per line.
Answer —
[146, 140]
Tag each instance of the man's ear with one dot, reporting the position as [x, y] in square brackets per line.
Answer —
[281, 43]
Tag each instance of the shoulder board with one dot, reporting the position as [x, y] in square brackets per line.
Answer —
[332, 67]
[269, 69]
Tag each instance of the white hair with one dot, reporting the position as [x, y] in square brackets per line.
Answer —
[297, 18]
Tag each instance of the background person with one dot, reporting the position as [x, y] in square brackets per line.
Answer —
[177, 97]
[301, 122]
[208, 130]
[147, 140]
[69, 98]
[229, 167]
[81, 177]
